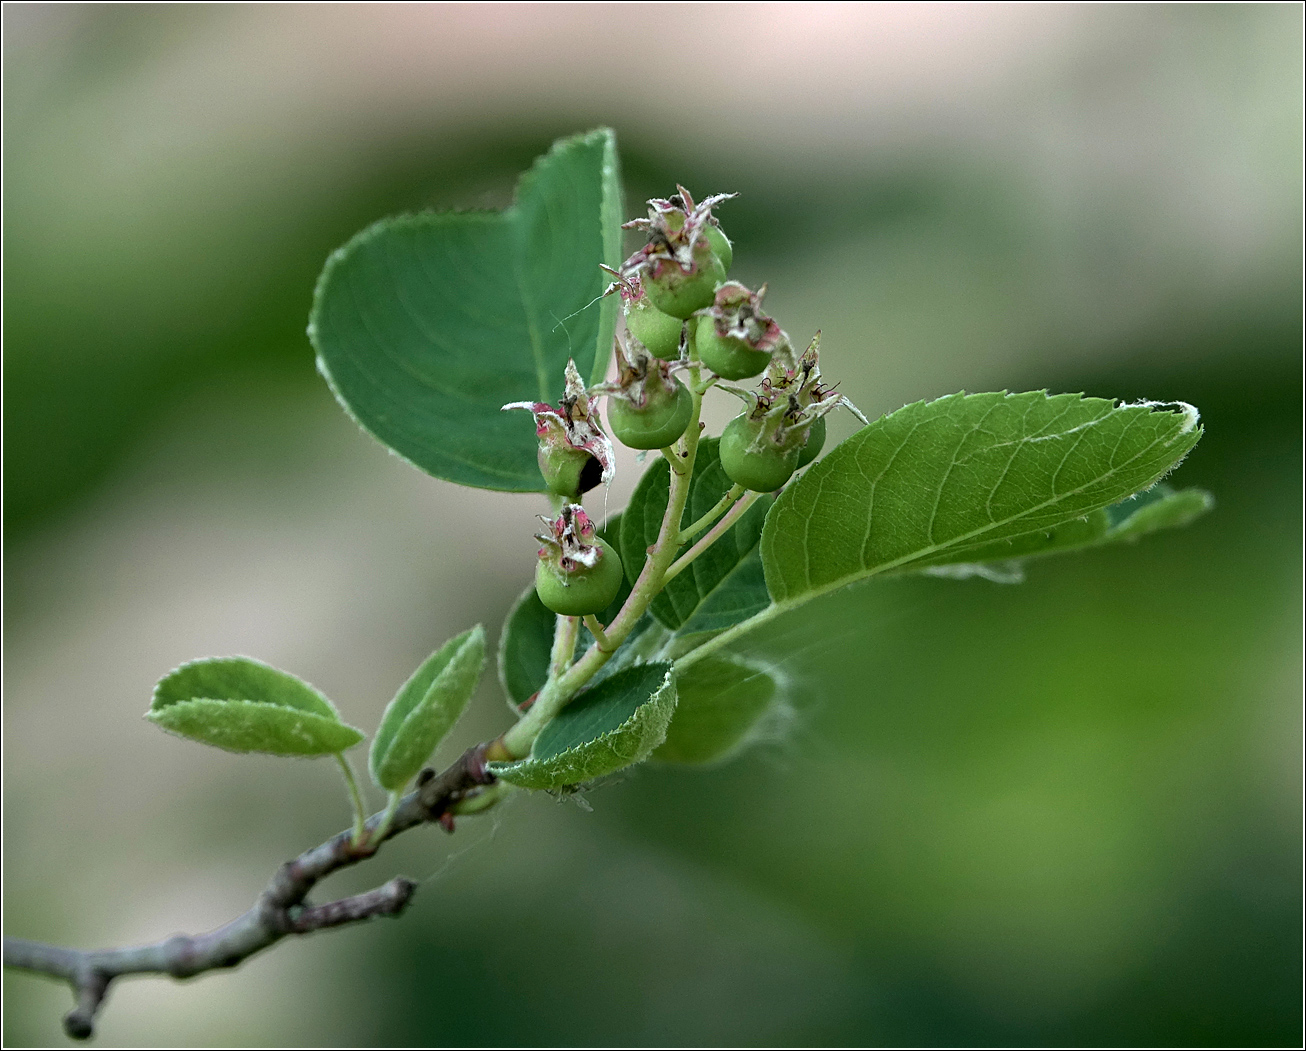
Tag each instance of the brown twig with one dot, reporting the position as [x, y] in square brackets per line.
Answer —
[280, 910]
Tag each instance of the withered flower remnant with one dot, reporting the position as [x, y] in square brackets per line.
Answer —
[574, 454]
[679, 267]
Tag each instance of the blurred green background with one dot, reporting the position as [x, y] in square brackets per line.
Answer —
[1061, 813]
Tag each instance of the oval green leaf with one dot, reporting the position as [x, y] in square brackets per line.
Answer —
[525, 645]
[720, 701]
[426, 325]
[935, 483]
[426, 708]
[610, 726]
[243, 705]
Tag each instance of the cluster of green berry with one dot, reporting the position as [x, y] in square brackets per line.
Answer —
[681, 315]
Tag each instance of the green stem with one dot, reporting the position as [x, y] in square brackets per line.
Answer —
[482, 799]
[730, 634]
[355, 796]
[563, 687]
[711, 538]
[383, 829]
[677, 467]
[565, 631]
[732, 494]
[596, 629]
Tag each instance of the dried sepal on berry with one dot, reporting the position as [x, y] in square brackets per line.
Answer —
[660, 333]
[574, 455]
[577, 573]
[648, 408]
[763, 447]
[799, 385]
[678, 266]
[735, 337]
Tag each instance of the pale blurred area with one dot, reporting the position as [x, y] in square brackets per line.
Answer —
[1058, 814]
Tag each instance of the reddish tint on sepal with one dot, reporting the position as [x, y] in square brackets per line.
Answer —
[570, 542]
[736, 338]
[648, 408]
[574, 455]
[775, 429]
[578, 573]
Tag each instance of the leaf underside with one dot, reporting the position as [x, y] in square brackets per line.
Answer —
[426, 325]
[719, 702]
[1125, 522]
[255, 726]
[614, 724]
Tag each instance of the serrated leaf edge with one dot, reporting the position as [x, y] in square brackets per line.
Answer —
[1189, 413]
[654, 699]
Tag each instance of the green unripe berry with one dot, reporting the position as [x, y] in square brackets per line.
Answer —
[721, 246]
[569, 472]
[658, 331]
[815, 443]
[729, 357]
[657, 424]
[762, 470]
[674, 292]
[582, 590]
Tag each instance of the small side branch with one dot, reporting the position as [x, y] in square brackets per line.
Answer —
[731, 495]
[711, 537]
[389, 899]
[282, 909]
[600, 636]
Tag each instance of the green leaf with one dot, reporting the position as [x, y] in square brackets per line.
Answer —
[610, 726]
[243, 705]
[525, 645]
[526, 642]
[1158, 508]
[720, 587]
[720, 701]
[938, 482]
[740, 593]
[425, 325]
[426, 708]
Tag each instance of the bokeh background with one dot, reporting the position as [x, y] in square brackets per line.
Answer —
[1061, 813]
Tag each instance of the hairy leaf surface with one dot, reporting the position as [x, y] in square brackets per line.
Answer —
[426, 708]
[243, 705]
[938, 482]
[614, 724]
[425, 325]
